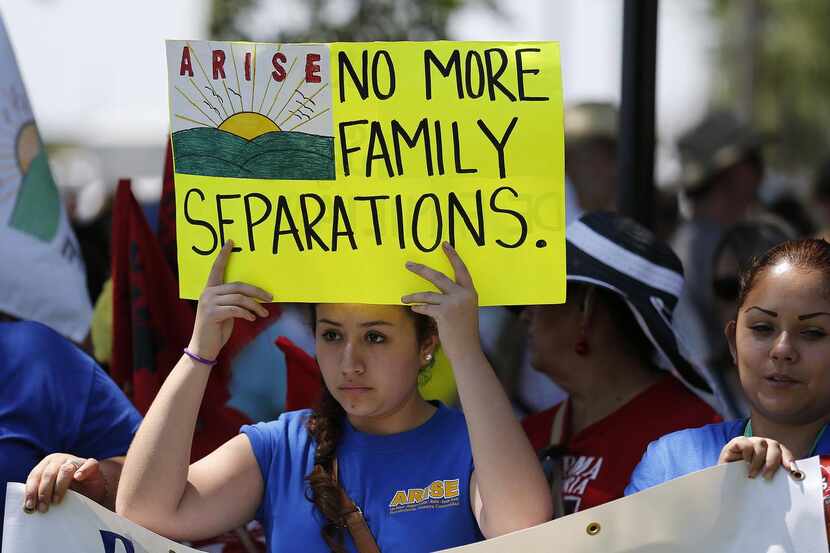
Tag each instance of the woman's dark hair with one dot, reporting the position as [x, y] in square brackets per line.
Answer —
[806, 254]
[326, 427]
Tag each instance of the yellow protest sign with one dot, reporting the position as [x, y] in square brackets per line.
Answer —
[331, 165]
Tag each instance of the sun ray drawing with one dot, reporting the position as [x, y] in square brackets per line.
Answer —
[279, 91]
[267, 86]
[223, 96]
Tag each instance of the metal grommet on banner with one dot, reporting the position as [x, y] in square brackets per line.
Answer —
[795, 472]
[593, 529]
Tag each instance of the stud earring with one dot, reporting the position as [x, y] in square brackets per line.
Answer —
[429, 358]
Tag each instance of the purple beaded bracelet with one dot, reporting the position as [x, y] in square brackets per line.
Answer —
[208, 362]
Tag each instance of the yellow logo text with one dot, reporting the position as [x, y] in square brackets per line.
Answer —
[440, 489]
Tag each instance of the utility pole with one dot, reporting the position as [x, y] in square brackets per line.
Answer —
[636, 196]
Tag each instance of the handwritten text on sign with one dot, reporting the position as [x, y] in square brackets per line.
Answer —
[331, 165]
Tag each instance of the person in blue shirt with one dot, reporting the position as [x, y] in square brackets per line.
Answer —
[63, 422]
[780, 342]
[424, 477]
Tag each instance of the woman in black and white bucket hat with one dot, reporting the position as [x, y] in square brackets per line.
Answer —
[612, 347]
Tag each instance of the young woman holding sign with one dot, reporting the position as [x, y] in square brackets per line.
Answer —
[780, 342]
[422, 476]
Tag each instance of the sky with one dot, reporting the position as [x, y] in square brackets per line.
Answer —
[95, 70]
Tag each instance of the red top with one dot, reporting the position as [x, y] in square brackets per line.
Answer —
[599, 460]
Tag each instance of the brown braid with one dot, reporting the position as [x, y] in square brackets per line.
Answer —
[326, 427]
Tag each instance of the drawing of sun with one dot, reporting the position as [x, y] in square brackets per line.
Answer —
[229, 122]
[24, 168]
[248, 125]
[28, 146]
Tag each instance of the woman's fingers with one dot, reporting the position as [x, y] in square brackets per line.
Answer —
[53, 476]
[439, 279]
[66, 475]
[462, 274]
[747, 450]
[759, 457]
[788, 459]
[244, 289]
[430, 310]
[217, 270]
[762, 455]
[423, 297]
[241, 300]
[731, 452]
[89, 468]
[46, 487]
[736, 452]
[33, 484]
[773, 461]
[225, 312]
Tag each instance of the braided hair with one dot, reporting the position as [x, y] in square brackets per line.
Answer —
[326, 427]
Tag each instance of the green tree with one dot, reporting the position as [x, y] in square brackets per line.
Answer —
[367, 20]
[225, 16]
[775, 70]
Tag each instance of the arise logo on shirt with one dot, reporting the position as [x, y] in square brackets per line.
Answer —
[437, 495]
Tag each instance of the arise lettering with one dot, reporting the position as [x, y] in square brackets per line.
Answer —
[440, 489]
[278, 61]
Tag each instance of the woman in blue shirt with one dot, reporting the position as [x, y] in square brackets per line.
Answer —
[780, 342]
[424, 477]
[55, 398]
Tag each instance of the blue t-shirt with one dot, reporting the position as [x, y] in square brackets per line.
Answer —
[54, 398]
[412, 487]
[680, 453]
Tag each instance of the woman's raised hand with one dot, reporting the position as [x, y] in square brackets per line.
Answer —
[220, 304]
[455, 308]
[763, 455]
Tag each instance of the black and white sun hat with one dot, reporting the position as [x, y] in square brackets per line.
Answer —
[616, 253]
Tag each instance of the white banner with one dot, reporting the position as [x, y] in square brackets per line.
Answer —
[42, 276]
[716, 510]
[77, 525]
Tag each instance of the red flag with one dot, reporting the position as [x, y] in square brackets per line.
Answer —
[303, 382]
[167, 214]
[151, 326]
[243, 331]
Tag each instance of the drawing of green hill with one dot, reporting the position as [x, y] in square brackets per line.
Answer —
[37, 210]
[287, 155]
